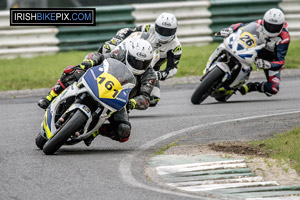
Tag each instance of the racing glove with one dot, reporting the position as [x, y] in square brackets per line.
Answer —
[225, 32]
[87, 63]
[262, 64]
[91, 60]
[131, 104]
[161, 75]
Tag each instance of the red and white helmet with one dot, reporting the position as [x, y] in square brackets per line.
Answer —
[139, 54]
[273, 22]
[165, 27]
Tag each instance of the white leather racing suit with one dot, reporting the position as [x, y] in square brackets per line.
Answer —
[170, 53]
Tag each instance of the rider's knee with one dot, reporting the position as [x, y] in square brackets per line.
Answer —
[124, 130]
[271, 89]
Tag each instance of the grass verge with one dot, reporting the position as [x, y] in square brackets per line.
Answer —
[283, 146]
[43, 71]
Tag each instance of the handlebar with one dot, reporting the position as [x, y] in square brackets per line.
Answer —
[218, 34]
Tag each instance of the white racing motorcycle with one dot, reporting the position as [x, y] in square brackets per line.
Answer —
[230, 65]
[84, 106]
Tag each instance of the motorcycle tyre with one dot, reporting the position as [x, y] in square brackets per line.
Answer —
[40, 141]
[70, 127]
[202, 91]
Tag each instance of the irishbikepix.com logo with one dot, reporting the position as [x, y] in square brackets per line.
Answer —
[52, 17]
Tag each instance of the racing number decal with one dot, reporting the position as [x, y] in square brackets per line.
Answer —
[109, 87]
[248, 39]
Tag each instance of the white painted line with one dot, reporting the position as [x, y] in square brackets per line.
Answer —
[228, 185]
[126, 163]
[203, 164]
[233, 180]
[170, 169]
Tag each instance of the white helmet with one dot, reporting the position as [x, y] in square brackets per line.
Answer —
[273, 22]
[139, 54]
[165, 27]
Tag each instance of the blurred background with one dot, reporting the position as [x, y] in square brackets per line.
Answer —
[198, 20]
[6, 4]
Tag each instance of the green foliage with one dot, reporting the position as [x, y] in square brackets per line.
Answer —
[284, 146]
[44, 71]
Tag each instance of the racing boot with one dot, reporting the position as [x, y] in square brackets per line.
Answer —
[56, 90]
[67, 78]
[107, 130]
[45, 101]
[101, 131]
[249, 87]
[153, 101]
[155, 95]
[88, 141]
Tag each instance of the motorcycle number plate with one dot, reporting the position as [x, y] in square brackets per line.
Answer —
[248, 40]
[108, 86]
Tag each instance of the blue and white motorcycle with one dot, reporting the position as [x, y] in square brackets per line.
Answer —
[85, 105]
[230, 65]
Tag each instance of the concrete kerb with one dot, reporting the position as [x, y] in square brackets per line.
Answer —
[170, 82]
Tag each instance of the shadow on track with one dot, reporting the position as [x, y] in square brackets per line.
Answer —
[150, 116]
[87, 151]
[247, 101]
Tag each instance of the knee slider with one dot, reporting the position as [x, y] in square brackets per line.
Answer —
[124, 130]
[271, 88]
[275, 89]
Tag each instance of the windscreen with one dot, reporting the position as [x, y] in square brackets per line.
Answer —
[120, 71]
[253, 29]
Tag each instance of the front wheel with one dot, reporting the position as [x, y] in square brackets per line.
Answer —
[68, 128]
[203, 90]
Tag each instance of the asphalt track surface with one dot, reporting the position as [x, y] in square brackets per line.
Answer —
[112, 170]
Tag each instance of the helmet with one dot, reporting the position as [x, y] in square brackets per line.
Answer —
[273, 22]
[139, 54]
[165, 27]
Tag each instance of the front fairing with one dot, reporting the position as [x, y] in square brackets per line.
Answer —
[245, 43]
[110, 83]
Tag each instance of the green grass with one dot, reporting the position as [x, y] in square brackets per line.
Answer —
[38, 72]
[284, 146]
[194, 59]
[43, 71]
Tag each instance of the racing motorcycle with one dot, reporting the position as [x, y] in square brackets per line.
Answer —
[85, 105]
[230, 65]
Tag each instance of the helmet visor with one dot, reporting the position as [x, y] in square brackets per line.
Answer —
[273, 28]
[138, 64]
[165, 31]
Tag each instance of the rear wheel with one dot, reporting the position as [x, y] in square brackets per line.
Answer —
[204, 89]
[40, 141]
[66, 130]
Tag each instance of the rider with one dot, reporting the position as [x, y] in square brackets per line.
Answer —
[271, 58]
[138, 56]
[162, 36]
